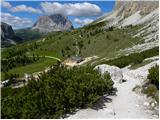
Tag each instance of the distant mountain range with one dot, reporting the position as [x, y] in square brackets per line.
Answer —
[44, 25]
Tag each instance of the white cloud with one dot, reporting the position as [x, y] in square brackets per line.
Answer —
[6, 4]
[73, 9]
[82, 22]
[24, 8]
[14, 21]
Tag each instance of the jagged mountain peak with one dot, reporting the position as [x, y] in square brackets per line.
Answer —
[8, 36]
[54, 22]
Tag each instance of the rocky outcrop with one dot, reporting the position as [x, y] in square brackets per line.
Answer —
[132, 10]
[135, 13]
[131, 7]
[8, 36]
[56, 22]
[115, 72]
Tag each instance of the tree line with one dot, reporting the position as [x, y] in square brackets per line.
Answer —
[8, 64]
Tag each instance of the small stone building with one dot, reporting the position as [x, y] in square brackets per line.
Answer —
[73, 60]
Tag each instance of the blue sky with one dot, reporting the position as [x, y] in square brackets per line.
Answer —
[21, 14]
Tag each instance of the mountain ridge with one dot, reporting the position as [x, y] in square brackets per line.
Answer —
[8, 36]
[135, 13]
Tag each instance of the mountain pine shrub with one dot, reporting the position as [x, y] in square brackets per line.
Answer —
[153, 75]
[56, 93]
[134, 58]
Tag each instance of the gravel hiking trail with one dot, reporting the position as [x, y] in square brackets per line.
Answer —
[126, 103]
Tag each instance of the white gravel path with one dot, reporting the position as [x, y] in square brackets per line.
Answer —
[127, 104]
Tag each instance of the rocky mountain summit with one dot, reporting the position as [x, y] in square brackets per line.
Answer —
[8, 36]
[55, 22]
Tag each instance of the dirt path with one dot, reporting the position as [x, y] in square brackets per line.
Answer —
[49, 57]
[53, 58]
[127, 104]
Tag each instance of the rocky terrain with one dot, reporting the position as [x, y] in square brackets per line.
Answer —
[132, 7]
[56, 22]
[126, 103]
[143, 14]
[8, 36]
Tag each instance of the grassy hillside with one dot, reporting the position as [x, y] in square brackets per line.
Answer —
[28, 34]
[31, 68]
[91, 40]
[134, 58]
[103, 43]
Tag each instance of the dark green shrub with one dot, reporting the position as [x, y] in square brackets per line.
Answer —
[8, 91]
[56, 93]
[110, 28]
[116, 40]
[137, 59]
[151, 90]
[134, 58]
[153, 75]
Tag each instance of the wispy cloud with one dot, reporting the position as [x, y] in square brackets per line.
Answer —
[24, 8]
[6, 4]
[14, 21]
[72, 9]
[82, 22]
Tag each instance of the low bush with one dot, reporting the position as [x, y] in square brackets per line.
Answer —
[153, 76]
[56, 93]
[150, 90]
[8, 91]
[157, 96]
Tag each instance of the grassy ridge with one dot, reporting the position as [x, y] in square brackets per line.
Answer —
[92, 40]
[134, 58]
[28, 34]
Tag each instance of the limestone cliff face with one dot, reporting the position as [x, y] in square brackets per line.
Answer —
[8, 36]
[50, 23]
[144, 14]
[131, 7]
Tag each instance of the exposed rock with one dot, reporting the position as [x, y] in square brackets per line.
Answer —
[55, 22]
[144, 14]
[8, 36]
[135, 10]
[115, 72]
[131, 7]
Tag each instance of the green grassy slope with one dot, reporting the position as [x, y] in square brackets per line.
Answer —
[91, 40]
[103, 44]
[38, 66]
[28, 34]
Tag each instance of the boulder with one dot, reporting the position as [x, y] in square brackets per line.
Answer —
[115, 72]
